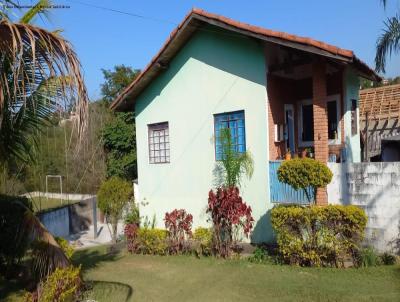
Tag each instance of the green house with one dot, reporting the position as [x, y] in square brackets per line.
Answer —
[278, 93]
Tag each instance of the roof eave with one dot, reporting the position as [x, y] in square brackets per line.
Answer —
[125, 101]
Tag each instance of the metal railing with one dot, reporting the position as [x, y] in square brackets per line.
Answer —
[283, 193]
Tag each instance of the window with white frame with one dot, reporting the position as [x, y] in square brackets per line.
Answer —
[306, 121]
[159, 143]
[333, 113]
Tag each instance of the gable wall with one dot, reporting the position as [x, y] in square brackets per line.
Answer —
[214, 73]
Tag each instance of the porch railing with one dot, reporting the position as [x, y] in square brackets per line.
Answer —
[281, 192]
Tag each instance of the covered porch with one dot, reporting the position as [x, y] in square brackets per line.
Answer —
[312, 107]
[306, 111]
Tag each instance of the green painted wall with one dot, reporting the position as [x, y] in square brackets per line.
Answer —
[351, 90]
[213, 73]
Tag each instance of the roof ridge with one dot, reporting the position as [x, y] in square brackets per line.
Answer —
[278, 34]
[247, 29]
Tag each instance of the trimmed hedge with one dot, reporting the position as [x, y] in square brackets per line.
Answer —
[146, 241]
[318, 236]
[302, 173]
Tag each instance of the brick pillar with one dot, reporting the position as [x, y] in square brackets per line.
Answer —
[320, 121]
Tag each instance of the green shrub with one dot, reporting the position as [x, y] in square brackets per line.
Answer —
[367, 257]
[151, 241]
[65, 246]
[133, 216]
[113, 195]
[302, 173]
[388, 259]
[14, 238]
[260, 255]
[203, 239]
[63, 285]
[318, 236]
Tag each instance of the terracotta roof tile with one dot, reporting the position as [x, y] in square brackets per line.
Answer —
[381, 103]
[250, 28]
[277, 34]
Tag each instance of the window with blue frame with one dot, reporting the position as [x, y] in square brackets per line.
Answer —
[234, 121]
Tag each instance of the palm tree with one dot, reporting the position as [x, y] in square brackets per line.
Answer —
[388, 42]
[33, 63]
[233, 164]
[39, 73]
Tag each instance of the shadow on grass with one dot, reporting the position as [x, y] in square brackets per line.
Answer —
[91, 258]
[108, 291]
[9, 288]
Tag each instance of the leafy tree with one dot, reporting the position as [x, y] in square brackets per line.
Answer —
[388, 42]
[116, 81]
[120, 146]
[82, 169]
[114, 194]
[233, 165]
[119, 134]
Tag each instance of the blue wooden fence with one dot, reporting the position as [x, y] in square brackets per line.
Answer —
[283, 193]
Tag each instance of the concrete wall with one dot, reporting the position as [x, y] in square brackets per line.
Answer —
[56, 221]
[64, 196]
[376, 188]
[351, 87]
[213, 73]
[81, 215]
[70, 219]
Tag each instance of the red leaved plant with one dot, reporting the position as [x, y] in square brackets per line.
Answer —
[131, 231]
[179, 226]
[228, 210]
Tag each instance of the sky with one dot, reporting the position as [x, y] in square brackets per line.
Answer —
[104, 38]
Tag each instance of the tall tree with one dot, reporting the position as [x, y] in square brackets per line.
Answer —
[388, 42]
[119, 134]
[116, 80]
[39, 72]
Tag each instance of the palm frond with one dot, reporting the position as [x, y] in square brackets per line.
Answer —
[47, 255]
[42, 7]
[233, 164]
[30, 56]
[4, 8]
[387, 43]
[21, 123]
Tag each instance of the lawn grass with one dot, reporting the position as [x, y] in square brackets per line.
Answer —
[43, 204]
[124, 277]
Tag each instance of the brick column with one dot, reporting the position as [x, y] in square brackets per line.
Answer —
[320, 121]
